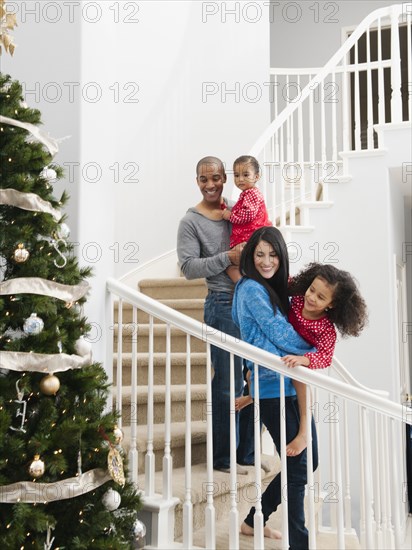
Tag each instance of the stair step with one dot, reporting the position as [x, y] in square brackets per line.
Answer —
[178, 408]
[221, 493]
[178, 432]
[317, 204]
[193, 307]
[178, 368]
[140, 333]
[175, 288]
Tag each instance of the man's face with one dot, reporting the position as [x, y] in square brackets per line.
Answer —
[210, 179]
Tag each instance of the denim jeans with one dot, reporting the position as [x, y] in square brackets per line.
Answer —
[246, 447]
[218, 315]
[296, 470]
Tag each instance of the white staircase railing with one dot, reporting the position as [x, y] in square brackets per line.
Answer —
[380, 424]
[321, 112]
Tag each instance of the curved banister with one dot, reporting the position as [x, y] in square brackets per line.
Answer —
[360, 395]
[346, 376]
[325, 71]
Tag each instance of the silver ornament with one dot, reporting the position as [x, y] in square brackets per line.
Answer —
[48, 174]
[111, 500]
[63, 231]
[82, 347]
[138, 534]
[33, 325]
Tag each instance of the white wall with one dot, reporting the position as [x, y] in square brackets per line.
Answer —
[307, 34]
[184, 56]
[126, 80]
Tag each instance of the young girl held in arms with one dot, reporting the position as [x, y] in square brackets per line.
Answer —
[249, 212]
[324, 298]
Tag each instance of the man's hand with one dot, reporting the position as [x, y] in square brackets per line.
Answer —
[226, 214]
[235, 252]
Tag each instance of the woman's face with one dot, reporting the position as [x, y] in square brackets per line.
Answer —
[265, 259]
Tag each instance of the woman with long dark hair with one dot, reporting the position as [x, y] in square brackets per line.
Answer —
[260, 309]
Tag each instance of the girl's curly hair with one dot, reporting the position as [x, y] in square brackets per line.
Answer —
[349, 312]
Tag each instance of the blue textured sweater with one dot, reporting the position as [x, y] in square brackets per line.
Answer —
[253, 313]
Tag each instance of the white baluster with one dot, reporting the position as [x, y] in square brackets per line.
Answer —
[323, 126]
[258, 517]
[396, 103]
[362, 522]
[332, 462]
[282, 181]
[358, 129]
[310, 476]
[312, 160]
[381, 84]
[396, 447]
[167, 458]
[301, 164]
[369, 95]
[379, 494]
[348, 506]
[119, 374]
[133, 454]
[150, 457]
[334, 128]
[367, 481]
[346, 130]
[188, 506]
[284, 472]
[234, 513]
[386, 451]
[210, 513]
[291, 175]
[338, 477]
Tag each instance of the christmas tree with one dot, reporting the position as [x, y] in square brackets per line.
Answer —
[62, 479]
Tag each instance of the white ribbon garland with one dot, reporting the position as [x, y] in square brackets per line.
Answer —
[28, 201]
[49, 142]
[21, 361]
[44, 287]
[34, 492]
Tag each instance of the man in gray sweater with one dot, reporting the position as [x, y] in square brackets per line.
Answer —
[203, 251]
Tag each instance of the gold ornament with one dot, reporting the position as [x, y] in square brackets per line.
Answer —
[21, 255]
[36, 468]
[7, 23]
[115, 466]
[50, 384]
[118, 434]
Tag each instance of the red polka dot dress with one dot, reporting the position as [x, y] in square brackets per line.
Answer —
[248, 214]
[320, 333]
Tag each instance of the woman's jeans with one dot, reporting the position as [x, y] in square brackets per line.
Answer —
[218, 315]
[296, 470]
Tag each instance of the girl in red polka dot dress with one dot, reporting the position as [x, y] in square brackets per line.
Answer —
[249, 213]
[324, 299]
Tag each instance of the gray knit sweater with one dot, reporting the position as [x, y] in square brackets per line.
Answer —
[202, 246]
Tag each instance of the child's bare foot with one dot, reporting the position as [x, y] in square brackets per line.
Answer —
[269, 533]
[242, 402]
[272, 533]
[296, 446]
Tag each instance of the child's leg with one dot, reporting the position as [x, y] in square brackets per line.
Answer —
[299, 443]
[234, 273]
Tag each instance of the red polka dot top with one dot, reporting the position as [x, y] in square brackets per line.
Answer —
[320, 333]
